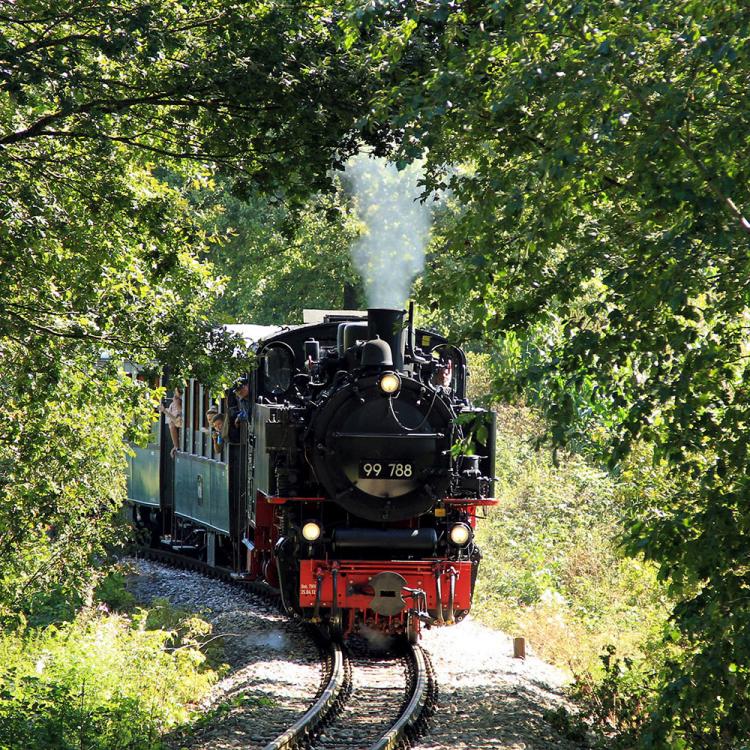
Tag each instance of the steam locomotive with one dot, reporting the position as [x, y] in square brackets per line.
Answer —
[350, 478]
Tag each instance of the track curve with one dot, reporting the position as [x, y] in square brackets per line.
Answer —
[420, 704]
[359, 695]
[389, 700]
[329, 700]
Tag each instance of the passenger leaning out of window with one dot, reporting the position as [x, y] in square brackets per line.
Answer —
[216, 425]
[173, 415]
[238, 410]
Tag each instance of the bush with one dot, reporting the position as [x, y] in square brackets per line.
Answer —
[103, 681]
[553, 569]
[113, 593]
[620, 702]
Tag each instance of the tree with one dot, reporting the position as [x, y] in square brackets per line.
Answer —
[248, 84]
[604, 187]
[278, 260]
[97, 254]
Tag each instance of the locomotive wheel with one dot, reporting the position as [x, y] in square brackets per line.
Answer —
[336, 628]
[287, 575]
[271, 573]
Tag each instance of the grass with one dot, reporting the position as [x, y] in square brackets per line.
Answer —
[553, 570]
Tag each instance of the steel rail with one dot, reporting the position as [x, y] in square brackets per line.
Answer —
[329, 698]
[411, 721]
[305, 726]
[418, 705]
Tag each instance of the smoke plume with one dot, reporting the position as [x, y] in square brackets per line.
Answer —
[390, 251]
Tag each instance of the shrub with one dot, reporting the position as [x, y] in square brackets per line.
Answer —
[113, 593]
[553, 569]
[620, 702]
[103, 681]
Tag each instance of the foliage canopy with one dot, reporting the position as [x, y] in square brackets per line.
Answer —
[603, 201]
[99, 252]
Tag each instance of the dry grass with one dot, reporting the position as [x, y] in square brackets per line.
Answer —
[553, 570]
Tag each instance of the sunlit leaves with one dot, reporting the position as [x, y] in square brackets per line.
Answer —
[604, 216]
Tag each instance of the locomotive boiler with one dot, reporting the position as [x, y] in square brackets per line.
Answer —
[352, 476]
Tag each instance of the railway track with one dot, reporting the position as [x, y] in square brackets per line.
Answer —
[419, 706]
[365, 702]
[382, 704]
[332, 695]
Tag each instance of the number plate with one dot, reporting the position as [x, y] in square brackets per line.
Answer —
[385, 470]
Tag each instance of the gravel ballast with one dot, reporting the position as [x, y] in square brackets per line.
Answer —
[488, 700]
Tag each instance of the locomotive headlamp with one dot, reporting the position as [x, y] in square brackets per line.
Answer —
[390, 382]
[311, 531]
[460, 534]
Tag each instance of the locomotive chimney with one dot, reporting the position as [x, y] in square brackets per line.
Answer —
[389, 325]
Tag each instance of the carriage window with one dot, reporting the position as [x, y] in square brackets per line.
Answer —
[278, 368]
[448, 367]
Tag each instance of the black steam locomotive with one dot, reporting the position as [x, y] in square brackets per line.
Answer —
[350, 478]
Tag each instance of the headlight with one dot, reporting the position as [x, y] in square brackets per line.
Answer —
[460, 534]
[311, 531]
[390, 382]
